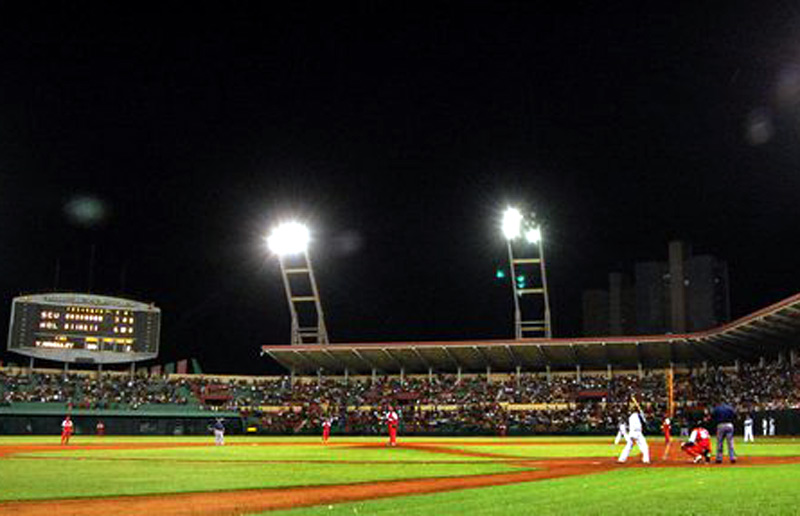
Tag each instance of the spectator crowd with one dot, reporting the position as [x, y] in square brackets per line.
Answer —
[528, 403]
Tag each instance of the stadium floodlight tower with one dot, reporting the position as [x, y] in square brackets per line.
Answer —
[528, 275]
[289, 242]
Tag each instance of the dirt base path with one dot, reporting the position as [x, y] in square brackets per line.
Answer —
[256, 500]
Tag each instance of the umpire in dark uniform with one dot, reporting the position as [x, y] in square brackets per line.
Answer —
[724, 415]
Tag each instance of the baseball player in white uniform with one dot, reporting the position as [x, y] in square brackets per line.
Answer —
[219, 433]
[748, 429]
[635, 436]
[622, 432]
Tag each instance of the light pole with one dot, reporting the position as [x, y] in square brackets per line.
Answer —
[526, 255]
[289, 242]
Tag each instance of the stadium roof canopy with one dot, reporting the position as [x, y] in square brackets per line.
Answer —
[767, 333]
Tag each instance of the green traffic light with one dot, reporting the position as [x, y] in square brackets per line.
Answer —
[500, 274]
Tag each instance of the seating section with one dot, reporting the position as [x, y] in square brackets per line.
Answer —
[528, 403]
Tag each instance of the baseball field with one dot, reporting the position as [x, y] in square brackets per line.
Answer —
[299, 476]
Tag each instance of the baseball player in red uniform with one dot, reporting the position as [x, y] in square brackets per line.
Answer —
[392, 420]
[326, 429]
[698, 445]
[66, 430]
[666, 427]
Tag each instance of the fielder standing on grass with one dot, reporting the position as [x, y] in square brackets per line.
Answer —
[326, 429]
[748, 429]
[66, 430]
[219, 433]
[635, 434]
[392, 420]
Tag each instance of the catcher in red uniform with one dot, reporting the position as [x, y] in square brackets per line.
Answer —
[699, 445]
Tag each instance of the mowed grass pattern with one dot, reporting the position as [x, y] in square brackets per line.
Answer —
[705, 490]
[71, 472]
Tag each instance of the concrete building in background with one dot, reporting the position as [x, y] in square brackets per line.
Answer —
[621, 305]
[612, 311]
[652, 298]
[686, 293]
[678, 254]
[595, 313]
[708, 301]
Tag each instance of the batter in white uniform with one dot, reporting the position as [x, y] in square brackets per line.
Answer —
[635, 436]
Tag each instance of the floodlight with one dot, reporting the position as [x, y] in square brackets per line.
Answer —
[533, 235]
[289, 238]
[512, 223]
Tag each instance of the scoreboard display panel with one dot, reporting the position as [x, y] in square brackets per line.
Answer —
[84, 328]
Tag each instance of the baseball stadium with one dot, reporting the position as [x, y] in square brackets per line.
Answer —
[493, 427]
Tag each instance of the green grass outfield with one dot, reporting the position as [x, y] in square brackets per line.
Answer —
[253, 462]
[679, 491]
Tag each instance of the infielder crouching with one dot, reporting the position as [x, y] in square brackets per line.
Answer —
[635, 436]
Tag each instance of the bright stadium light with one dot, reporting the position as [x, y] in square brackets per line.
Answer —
[289, 243]
[512, 223]
[533, 235]
[523, 236]
[289, 238]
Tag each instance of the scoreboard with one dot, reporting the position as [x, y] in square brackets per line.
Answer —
[84, 328]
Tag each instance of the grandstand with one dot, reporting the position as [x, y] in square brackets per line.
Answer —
[767, 334]
[529, 386]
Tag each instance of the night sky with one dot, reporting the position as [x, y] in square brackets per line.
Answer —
[171, 138]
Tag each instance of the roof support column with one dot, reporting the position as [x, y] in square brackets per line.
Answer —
[549, 376]
[639, 369]
[374, 376]
[488, 374]
[705, 366]
[133, 368]
[458, 375]
[430, 374]
[780, 358]
[578, 372]
[608, 371]
[291, 378]
[402, 376]
[346, 374]
[792, 357]
[319, 377]
[519, 371]
[736, 365]
[761, 362]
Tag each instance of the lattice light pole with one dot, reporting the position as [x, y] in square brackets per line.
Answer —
[289, 242]
[528, 275]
